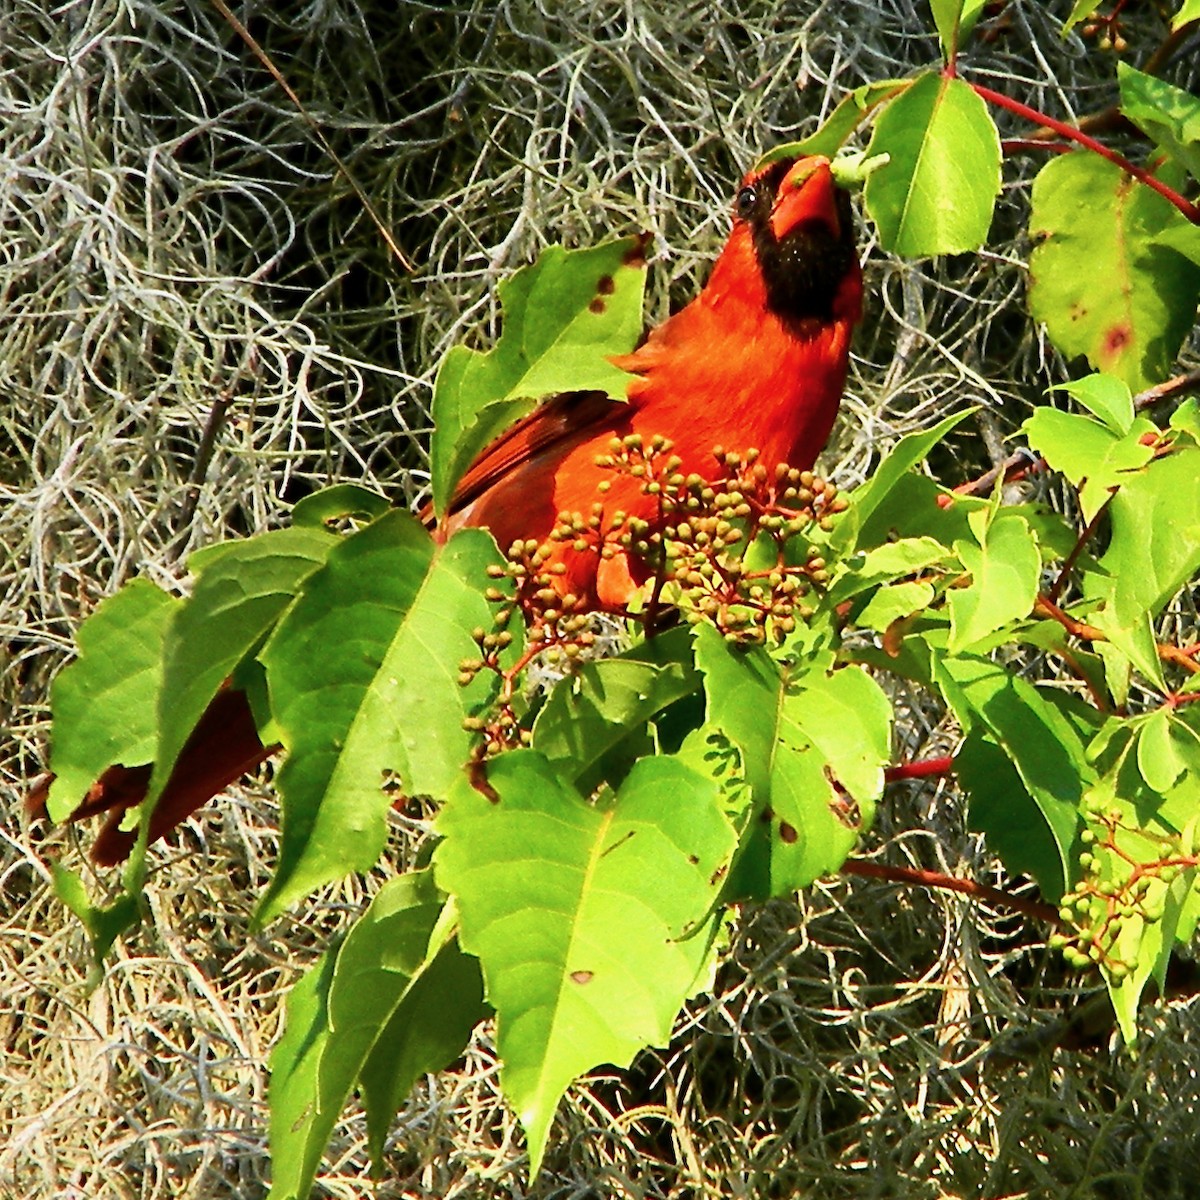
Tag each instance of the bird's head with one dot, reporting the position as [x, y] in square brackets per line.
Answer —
[801, 228]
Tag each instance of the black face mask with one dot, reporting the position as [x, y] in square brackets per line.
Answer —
[802, 270]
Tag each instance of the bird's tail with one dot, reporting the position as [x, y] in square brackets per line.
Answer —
[221, 749]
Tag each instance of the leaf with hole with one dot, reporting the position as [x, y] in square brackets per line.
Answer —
[814, 743]
[341, 502]
[593, 923]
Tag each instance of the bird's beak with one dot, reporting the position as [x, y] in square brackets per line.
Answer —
[807, 193]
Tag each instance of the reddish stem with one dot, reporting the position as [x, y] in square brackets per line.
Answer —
[1189, 381]
[1014, 468]
[919, 770]
[1181, 657]
[1019, 145]
[950, 883]
[1186, 207]
[1072, 558]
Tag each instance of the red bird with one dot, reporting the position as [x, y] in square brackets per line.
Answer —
[757, 359]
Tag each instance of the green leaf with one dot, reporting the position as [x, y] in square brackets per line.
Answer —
[709, 752]
[852, 109]
[882, 564]
[1184, 239]
[937, 192]
[1001, 808]
[1033, 732]
[1140, 947]
[814, 745]
[104, 924]
[1162, 758]
[607, 703]
[564, 316]
[1089, 454]
[1155, 543]
[363, 677]
[876, 493]
[893, 602]
[1097, 223]
[586, 960]
[902, 557]
[954, 20]
[1130, 634]
[1005, 568]
[1105, 397]
[1128, 906]
[1118, 672]
[332, 505]
[1186, 419]
[293, 1090]
[1189, 11]
[428, 1030]
[1154, 548]
[340, 1014]
[236, 602]
[917, 506]
[1166, 114]
[104, 704]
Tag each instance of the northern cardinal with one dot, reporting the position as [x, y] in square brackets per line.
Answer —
[757, 359]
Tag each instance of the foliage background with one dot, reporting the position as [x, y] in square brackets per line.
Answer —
[174, 241]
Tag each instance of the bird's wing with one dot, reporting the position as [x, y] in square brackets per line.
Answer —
[564, 416]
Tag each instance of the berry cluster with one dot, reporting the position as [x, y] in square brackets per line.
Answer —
[739, 551]
[557, 627]
[1121, 893]
[734, 551]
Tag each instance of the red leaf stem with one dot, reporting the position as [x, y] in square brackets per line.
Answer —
[919, 770]
[1186, 207]
[950, 883]
[1020, 145]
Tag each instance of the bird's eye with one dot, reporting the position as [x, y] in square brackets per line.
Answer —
[747, 198]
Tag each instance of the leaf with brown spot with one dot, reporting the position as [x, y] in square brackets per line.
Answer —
[814, 742]
[564, 317]
[592, 923]
[1106, 278]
